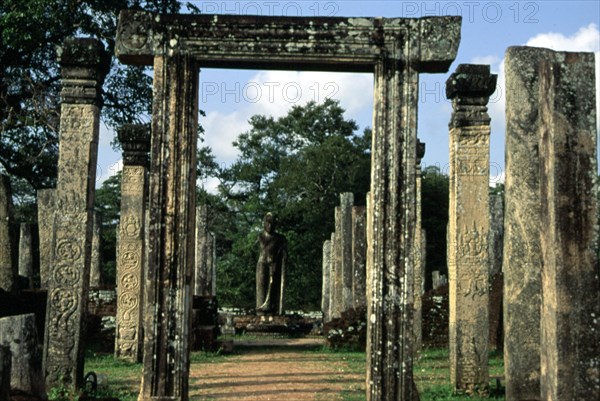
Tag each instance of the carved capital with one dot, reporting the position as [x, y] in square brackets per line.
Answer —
[420, 151]
[135, 141]
[470, 88]
[84, 63]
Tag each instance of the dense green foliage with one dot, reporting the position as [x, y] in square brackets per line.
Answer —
[294, 166]
[30, 31]
[434, 204]
[108, 205]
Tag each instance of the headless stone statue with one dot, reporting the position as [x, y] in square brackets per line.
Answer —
[270, 269]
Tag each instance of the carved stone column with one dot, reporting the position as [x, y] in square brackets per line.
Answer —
[45, 207]
[83, 66]
[325, 296]
[333, 299]
[359, 257]
[468, 226]
[203, 282]
[96, 258]
[343, 253]
[419, 257]
[135, 142]
[8, 272]
[167, 317]
[26, 254]
[570, 327]
[390, 231]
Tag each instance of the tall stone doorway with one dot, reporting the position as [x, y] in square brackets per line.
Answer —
[395, 50]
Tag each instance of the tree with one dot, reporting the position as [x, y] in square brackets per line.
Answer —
[30, 31]
[108, 205]
[434, 209]
[294, 166]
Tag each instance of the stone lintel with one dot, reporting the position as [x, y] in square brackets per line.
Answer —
[312, 43]
[470, 88]
[135, 141]
[84, 63]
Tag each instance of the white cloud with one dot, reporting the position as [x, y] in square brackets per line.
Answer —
[107, 169]
[274, 93]
[586, 39]
[491, 60]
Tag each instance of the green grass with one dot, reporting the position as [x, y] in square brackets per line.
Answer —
[431, 372]
[432, 375]
[124, 378]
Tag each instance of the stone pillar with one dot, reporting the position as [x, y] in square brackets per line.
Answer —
[334, 311]
[26, 254]
[8, 272]
[419, 259]
[496, 233]
[135, 142]
[391, 229]
[359, 257]
[83, 66]
[469, 89]
[570, 328]
[343, 253]
[326, 285]
[204, 268]
[212, 263]
[45, 206]
[521, 260]
[19, 334]
[95, 274]
[167, 318]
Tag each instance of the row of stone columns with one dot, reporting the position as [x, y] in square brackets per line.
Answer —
[66, 212]
[550, 263]
[344, 261]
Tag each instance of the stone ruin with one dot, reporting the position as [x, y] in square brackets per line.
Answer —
[551, 183]
[395, 50]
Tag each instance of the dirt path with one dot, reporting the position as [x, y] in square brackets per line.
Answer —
[280, 372]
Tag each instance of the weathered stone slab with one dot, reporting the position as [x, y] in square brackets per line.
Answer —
[131, 253]
[326, 285]
[19, 334]
[8, 272]
[521, 261]
[570, 326]
[26, 254]
[45, 206]
[338, 44]
[359, 257]
[468, 226]
[83, 66]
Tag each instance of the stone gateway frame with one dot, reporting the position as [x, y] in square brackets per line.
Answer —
[395, 50]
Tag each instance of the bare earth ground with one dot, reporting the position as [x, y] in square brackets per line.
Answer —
[274, 370]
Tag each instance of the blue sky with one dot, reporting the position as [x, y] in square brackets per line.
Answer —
[230, 97]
